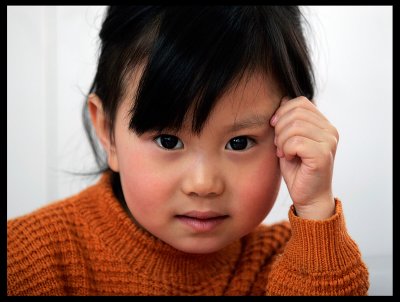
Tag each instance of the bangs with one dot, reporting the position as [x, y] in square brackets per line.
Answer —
[198, 54]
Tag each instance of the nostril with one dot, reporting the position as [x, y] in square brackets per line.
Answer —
[208, 195]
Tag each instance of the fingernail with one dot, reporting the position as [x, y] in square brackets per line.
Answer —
[273, 120]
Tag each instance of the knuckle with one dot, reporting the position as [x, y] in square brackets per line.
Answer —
[296, 141]
[333, 144]
[296, 123]
[324, 160]
[336, 133]
[325, 152]
[327, 155]
[304, 99]
[299, 113]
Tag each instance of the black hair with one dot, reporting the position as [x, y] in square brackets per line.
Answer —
[190, 56]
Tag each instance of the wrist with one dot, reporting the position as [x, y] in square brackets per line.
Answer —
[320, 209]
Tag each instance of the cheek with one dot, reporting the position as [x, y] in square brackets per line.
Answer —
[139, 179]
[144, 183]
[258, 190]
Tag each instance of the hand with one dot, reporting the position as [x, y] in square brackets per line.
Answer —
[306, 145]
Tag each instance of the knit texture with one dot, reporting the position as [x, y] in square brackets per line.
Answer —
[88, 245]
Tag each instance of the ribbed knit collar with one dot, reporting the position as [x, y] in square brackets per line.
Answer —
[144, 253]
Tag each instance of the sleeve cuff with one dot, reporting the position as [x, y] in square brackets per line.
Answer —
[321, 245]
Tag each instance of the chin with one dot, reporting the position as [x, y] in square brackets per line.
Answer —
[200, 247]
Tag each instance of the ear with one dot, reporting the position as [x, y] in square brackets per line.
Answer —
[101, 127]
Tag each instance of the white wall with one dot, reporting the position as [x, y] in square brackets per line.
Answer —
[51, 60]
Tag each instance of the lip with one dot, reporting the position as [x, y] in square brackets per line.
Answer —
[203, 214]
[202, 221]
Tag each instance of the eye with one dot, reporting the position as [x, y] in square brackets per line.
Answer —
[169, 142]
[240, 143]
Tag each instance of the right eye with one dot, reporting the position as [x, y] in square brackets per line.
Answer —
[169, 142]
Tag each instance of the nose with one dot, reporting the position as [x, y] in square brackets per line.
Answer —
[203, 179]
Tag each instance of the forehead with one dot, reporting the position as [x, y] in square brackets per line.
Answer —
[254, 94]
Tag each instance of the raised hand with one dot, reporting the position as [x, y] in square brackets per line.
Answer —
[306, 145]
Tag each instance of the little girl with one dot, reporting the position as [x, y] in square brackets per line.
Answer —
[201, 111]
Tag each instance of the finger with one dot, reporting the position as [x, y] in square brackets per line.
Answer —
[284, 100]
[299, 114]
[300, 128]
[291, 104]
[313, 154]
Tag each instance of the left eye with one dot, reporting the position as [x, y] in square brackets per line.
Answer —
[240, 143]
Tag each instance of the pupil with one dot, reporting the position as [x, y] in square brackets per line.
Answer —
[169, 142]
[239, 143]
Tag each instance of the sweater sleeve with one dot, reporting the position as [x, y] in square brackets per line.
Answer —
[319, 259]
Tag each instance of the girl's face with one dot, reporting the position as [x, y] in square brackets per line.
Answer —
[198, 193]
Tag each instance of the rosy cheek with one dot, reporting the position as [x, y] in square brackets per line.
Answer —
[260, 187]
[136, 180]
[148, 184]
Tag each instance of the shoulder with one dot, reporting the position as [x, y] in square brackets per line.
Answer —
[33, 226]
[47, 220]
[49, 223]
[41, 244]
[40, 227]
[49, 248]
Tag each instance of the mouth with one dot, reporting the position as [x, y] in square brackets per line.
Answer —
[202, 221]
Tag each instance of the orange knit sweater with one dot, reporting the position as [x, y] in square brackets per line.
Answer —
[88, 245]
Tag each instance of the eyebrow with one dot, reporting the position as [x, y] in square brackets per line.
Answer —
[253, 121]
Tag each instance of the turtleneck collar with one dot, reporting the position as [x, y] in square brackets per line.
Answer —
[143, 252]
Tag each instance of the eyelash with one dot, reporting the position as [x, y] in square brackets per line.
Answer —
[157, 139]
[249, 143]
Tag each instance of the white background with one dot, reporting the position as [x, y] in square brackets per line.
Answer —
[51, 60]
